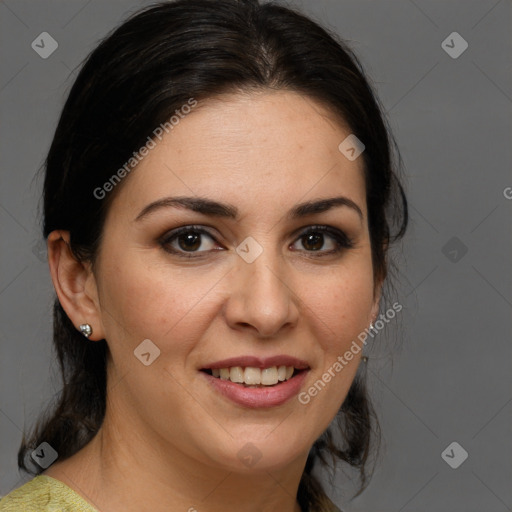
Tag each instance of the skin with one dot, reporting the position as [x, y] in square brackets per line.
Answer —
[168, 439]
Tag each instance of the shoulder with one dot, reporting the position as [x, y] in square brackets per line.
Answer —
[34, 496]
[44, 494]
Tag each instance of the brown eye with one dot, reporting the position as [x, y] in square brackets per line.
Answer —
[187, 241]
[313, 241]
[315, 238]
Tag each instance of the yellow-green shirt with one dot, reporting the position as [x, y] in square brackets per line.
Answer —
[44, 494]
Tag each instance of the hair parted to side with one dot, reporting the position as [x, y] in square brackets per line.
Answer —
[136, 78]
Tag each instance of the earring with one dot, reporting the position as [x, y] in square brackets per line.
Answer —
[371, 326]
[85, 329]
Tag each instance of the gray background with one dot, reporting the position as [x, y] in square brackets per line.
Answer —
[451, 379]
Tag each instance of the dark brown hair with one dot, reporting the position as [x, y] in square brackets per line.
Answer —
[134, 81]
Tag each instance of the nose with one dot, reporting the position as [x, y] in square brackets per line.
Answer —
[262, 297]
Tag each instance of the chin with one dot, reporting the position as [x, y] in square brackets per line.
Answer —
[254, 454]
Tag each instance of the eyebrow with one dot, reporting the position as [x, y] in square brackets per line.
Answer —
[228, 211]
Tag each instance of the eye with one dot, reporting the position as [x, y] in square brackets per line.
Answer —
[186, 241]
[313, 240]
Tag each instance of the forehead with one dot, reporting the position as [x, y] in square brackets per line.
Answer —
[249, 148]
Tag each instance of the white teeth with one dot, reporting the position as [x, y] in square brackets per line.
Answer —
[236, 374]
[269, 376]
[252, 376]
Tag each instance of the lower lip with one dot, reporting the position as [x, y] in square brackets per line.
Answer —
[256, 398]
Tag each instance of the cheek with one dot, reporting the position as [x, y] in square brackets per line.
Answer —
[173, 306]
[338, 312]
[342, 307]
[143, 301]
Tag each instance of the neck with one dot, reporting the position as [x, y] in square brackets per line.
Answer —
[122, 470]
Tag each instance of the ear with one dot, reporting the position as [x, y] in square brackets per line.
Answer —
[75, 284]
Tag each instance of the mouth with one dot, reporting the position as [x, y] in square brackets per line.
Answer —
[254, 377]
[258, 388]
[255, 382]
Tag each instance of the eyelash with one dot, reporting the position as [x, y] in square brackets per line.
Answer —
[340, 238]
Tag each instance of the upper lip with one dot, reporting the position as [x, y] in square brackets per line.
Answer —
[259, 362]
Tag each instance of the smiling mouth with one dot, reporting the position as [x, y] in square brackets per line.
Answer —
[252, 377]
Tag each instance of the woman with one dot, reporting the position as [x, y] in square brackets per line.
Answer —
[219, 201]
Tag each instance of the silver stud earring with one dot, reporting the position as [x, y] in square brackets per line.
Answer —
[85, 329]
[371, 326]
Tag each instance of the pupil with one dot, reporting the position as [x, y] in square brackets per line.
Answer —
[314, 241]
[192, 241]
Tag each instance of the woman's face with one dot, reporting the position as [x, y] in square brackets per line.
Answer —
[252, 287]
